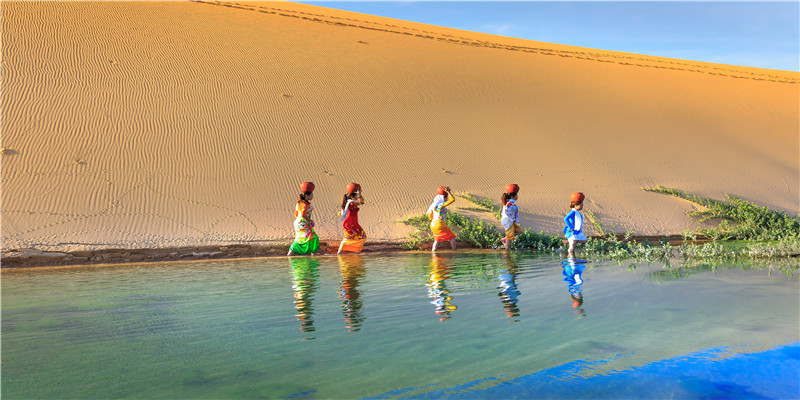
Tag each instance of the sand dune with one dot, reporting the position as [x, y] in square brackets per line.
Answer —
[159, 124]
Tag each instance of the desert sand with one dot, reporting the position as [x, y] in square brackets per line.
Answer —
[165, 124]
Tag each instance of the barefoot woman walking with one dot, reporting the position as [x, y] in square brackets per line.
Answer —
[306, 240]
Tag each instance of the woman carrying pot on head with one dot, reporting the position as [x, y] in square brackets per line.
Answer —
[437, 213]
[574, 221]
[510, 215]
[306, 240]
[354, 236]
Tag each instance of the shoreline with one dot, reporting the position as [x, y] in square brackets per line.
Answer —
[28, 258]
[36, 258]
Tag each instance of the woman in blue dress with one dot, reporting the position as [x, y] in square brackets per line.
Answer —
[574, 220]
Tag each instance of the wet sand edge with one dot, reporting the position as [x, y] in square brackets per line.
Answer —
[26, 258]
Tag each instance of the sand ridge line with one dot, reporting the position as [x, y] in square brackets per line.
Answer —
[464, 41]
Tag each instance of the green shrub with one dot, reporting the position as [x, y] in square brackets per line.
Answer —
[786, 248]
[474, 231]
[483, 204]
[742, 220]
[537, 242]
[422, 235]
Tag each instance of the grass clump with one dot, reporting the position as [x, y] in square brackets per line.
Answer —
[741, 250]
[596, 224]
[741, 219]
[482, 204]
[422, 235]
[622, 248]
[472, 231]
[537, 242]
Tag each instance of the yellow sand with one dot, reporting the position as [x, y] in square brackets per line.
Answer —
[159, 124]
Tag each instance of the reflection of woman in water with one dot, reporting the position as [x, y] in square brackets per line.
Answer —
[440, 272]
[351, 266]
[305, 272]
[573, 269]
[508, 290]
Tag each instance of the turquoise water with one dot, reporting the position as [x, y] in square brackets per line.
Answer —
[477, 324]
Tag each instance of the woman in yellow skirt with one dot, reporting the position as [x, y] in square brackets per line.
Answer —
[437, 213]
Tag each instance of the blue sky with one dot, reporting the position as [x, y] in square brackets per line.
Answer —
[750, 33]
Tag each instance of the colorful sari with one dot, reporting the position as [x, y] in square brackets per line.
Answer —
[354, 236]
[441, 232]
[437, 212]
[510, 218]
[306, 240]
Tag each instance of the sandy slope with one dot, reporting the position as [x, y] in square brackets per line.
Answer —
[156, 124]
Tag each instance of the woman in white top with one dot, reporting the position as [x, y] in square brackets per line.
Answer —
[510, 215]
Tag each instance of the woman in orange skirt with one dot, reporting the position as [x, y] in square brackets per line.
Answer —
[437, 213]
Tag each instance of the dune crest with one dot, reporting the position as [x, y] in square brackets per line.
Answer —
[166, 124]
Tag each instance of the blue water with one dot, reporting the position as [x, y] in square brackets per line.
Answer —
[475, 324]
[709, 374]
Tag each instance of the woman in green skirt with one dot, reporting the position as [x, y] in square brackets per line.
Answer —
[306, 240]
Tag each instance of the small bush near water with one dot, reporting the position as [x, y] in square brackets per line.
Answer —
[742, 220]
[741, 250]
[475, 232]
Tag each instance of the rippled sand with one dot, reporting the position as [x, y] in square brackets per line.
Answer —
[167, 124]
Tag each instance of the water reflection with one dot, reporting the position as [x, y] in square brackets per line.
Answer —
[572, 271]
[508, 290]
[440, 270]
[351, 268]
[305, 273]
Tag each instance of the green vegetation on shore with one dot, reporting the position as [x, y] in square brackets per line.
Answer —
[479, 233]
[747, 232]
[741, 219]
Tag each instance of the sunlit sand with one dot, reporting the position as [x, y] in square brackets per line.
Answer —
[167, 124]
